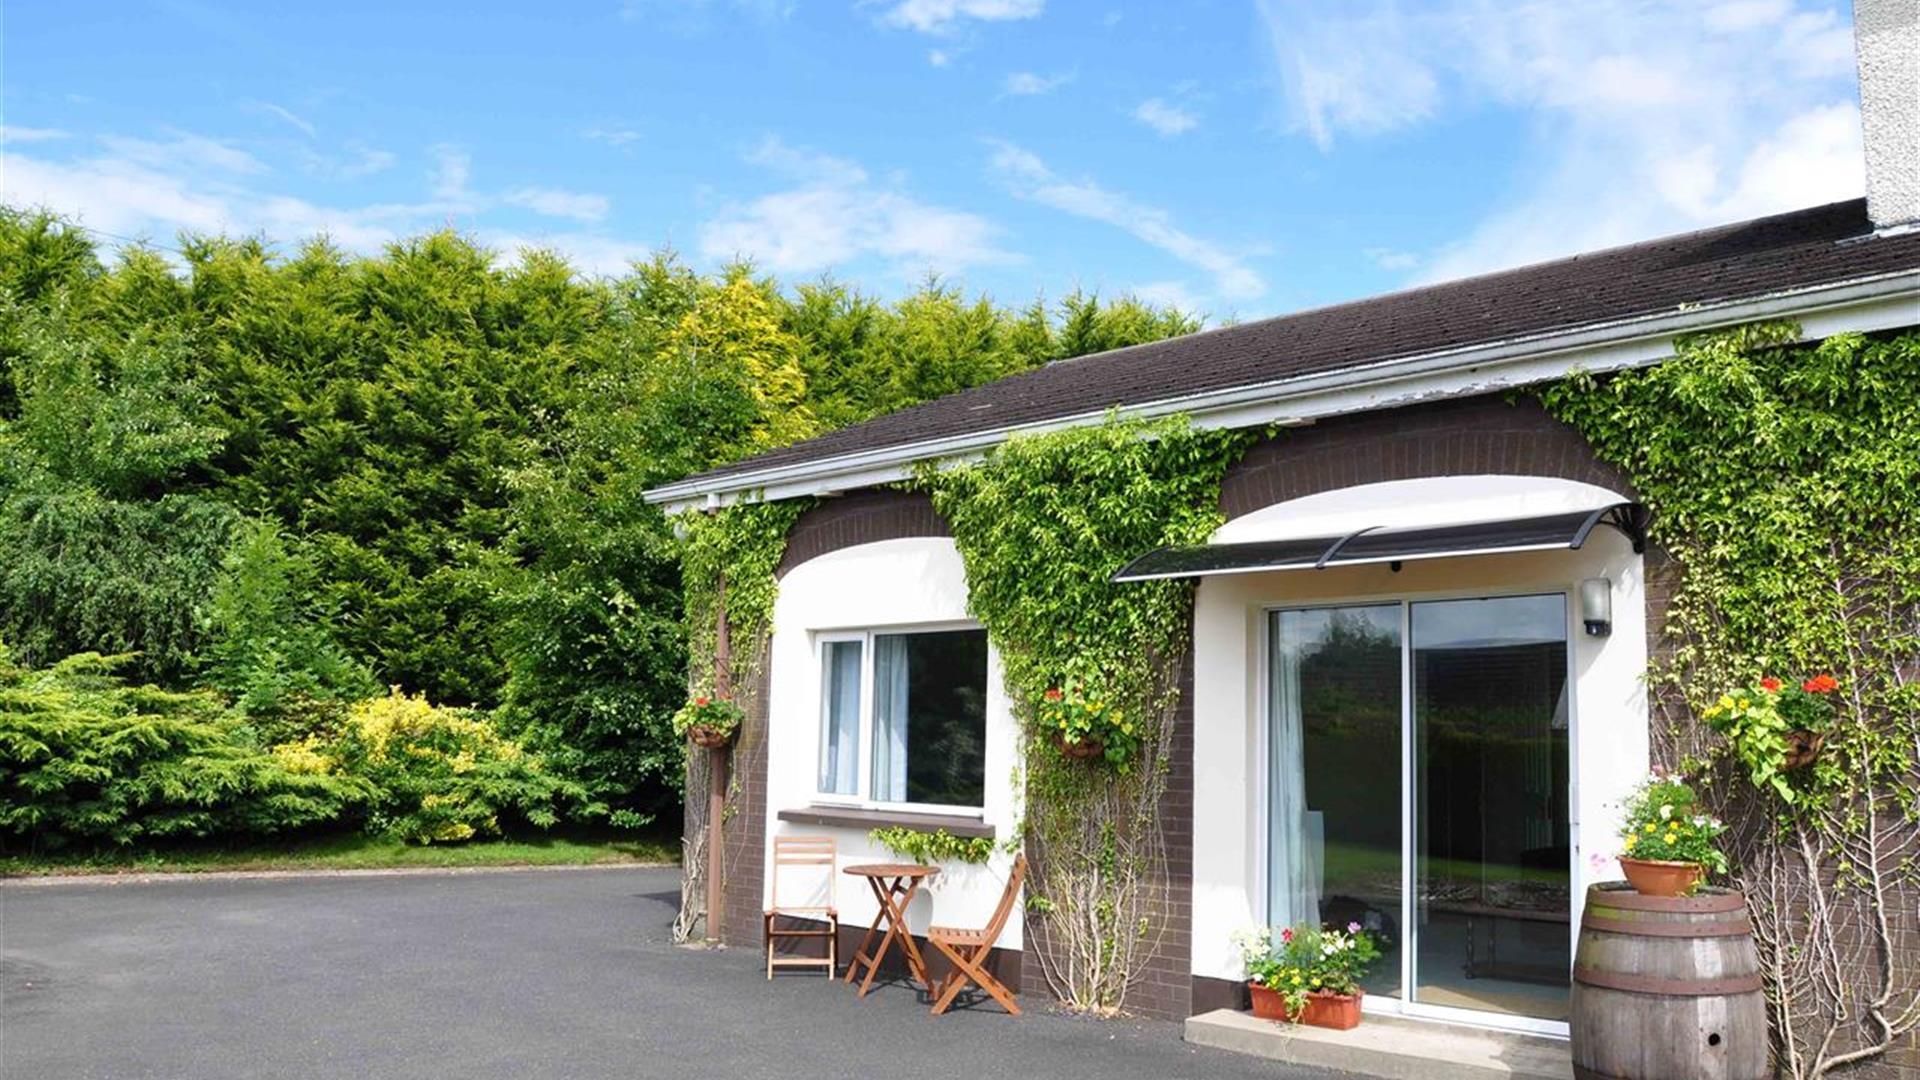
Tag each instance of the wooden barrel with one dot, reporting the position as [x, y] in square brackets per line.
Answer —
[1666, 988]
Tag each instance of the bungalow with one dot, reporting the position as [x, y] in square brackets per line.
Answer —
[1459, 571]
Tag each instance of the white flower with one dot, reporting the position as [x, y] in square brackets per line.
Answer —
[1666, 811]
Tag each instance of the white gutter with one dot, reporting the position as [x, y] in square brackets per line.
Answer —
[1882, 302]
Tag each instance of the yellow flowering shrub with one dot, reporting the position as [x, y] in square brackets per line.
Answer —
[443, 774]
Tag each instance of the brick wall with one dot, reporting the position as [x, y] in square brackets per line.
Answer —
[1462, 437]
[861, 518]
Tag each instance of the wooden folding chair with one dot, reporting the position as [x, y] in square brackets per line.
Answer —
[798, 851]
[967, 950]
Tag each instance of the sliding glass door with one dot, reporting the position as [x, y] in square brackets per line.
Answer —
[1334, 818]
[1491, 841]
[1418, 780]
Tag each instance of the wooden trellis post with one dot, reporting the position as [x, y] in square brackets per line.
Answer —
[717, 761]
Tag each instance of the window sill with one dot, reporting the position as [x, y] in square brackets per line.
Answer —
[853, 817]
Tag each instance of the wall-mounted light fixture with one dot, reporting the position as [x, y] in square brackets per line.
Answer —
[1596, 606]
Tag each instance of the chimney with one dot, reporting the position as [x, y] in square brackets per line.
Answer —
[1886, 41]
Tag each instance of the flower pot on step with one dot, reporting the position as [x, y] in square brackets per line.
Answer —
[1268, 1004]
[1661, 877]
[1337, 1011]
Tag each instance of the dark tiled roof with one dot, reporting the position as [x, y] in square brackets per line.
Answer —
[1733, 262]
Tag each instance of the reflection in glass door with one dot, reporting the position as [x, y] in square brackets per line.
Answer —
[1334, 817]
[1459, 857]
[1491, 839]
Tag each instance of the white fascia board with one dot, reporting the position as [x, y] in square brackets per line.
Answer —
[1884, 302]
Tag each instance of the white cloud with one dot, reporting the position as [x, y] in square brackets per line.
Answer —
[590, 252]
[554, 202]
[686, 14]
[1171, 294]
[613, 135]
[124, 197]
[367, 161]
[836, 213]
[1029, 84]
[1028, 177]
[1639, 117]
[1168, 120]
[1389, 259]
[452, 169]
[13, 133]
[939, 57]
[284, 115]
[144, 189]
[184, 150]
[940, 16]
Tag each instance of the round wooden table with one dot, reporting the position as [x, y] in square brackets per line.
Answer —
[893, 885]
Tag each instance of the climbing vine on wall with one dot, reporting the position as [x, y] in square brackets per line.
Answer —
[1042, 524]
[1784, 480]
[728, 557]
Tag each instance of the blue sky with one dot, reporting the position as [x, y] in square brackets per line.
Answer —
[1242, 159]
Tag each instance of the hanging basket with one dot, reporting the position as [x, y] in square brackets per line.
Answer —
[1082, 749]
[709, 738]
[1803, 746]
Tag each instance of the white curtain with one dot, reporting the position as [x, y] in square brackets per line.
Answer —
[890, 718]
[840, 720]
[1293, 862]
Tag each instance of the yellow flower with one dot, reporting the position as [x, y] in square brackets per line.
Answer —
[1649, 827]
[1632, 840]
[1726, 701]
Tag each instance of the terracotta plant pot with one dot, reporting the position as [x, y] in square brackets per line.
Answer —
[1337, 1011]
[1661, 877]
[709, 738]
[1268, 1004]
[1803, 746]
[1082, 749]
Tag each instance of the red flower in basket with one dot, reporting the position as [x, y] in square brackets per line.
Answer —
[1821, 684]
[1770, 683]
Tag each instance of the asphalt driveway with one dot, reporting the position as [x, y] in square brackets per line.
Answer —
[477, 976]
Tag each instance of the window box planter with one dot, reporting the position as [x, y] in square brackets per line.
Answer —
[1661, 877]
[1268, 1004]
[1337, 1011]
[1340, 1012]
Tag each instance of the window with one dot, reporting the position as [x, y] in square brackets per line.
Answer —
[903, 717]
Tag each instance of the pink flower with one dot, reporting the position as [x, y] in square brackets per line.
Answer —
[1287, 935]
[1353, 928]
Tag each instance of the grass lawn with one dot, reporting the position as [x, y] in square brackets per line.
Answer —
[359, 852]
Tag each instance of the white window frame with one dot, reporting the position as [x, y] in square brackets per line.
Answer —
[863, 787]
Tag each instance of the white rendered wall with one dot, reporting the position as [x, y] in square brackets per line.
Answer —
[917, 583]
[1609, 740]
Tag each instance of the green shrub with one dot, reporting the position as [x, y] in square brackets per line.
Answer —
[440, 774]
[275, 659]
[86, 758]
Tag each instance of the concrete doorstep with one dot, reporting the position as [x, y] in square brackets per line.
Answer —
[1389, 1047]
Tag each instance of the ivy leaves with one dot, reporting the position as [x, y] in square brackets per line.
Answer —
[1785, 479]
[1042, 524]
